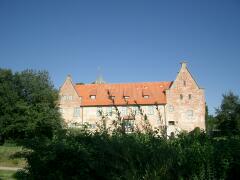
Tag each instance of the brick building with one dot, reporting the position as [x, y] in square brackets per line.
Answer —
[180, 104]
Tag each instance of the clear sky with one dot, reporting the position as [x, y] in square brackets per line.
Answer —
[131, 40]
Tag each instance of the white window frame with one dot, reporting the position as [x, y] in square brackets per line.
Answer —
[98, 111]
[150, 110]
[124, 111]
[190, 113]
[135, 110]
[170, 108]
[109, 111]
[129, 125]
[76, 112]
[92, 97]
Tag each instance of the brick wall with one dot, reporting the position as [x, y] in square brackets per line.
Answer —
[69, 100]
[185, 103]
[185, 108]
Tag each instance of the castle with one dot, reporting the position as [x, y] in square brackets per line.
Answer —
[177, 105]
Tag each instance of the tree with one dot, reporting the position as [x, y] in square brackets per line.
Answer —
[8, 98]
[28, 105]
[210, 122]
[228, 115]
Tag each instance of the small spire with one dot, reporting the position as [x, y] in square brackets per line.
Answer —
[184, 64]
[100, 79]
[69, 77]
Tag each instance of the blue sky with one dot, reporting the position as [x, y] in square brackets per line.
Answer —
[132, 41]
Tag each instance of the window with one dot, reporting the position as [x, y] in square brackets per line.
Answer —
[76, 112]
[172, 135]
[171, 123]
[92, 97]
[66, 97]
[135, 110]
[99, 111]
[170, 108]
[124, 111]
[158, 120]
[181, 96]
[190, 113]
[184, 83]
[92, 126]
[129, 125]
[189, 96]
[112, 97]
[61, 110]
[109, 111]
[146, 96]
[72, 125]
[150, 110]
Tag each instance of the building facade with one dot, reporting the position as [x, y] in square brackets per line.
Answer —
[177, 105]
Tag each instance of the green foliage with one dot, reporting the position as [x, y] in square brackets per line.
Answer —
[228, 115]
[28, 111]
[211, 123]
[85, 155]
[27, 105]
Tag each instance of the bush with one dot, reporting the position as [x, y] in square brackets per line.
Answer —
[85, 155]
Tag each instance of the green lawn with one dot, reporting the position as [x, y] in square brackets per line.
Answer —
[8, 175]
[6, 153]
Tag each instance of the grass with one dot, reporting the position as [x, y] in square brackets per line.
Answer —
[8, 175]
[6, 156]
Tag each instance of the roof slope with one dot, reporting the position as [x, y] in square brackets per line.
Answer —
[135, 92]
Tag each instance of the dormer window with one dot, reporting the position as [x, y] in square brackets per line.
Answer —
[92, 97]
[146, 93]
[126, 94]
[112, 97]
[111, 93]
[93, 94]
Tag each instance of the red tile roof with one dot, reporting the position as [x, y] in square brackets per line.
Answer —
[135, 91]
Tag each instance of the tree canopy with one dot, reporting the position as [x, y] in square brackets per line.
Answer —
[27, 105]
[228, 115]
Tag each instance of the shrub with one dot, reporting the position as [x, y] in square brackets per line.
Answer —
[85, 155]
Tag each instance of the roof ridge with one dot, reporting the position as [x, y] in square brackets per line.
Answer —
[124, 83]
